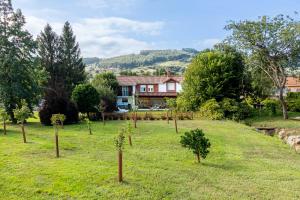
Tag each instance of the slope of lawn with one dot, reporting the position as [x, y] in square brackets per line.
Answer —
[243, 164]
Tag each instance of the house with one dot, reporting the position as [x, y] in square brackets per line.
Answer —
[293, 84]
[147, 91]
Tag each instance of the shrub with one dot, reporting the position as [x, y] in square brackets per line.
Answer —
[293, 101]
[86, 97]
[58, 105]
[271, 106]
[197, 142]
[211, 110]
[294, 105]
[243, 111]
[229, 107]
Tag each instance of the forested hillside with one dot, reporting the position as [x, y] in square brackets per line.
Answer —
[147, 61]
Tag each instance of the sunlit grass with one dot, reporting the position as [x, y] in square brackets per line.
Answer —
[243, 164]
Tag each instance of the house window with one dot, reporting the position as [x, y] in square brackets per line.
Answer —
[171, 86]
[143, 88]
[124, 100]
[150, 88]
[125, 91]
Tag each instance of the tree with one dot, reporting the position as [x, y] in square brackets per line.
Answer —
[129, 132]
[273, 45]
[19, 76]
[86, 97]
[119, 143]
[107, 96]
[172, 104]
[60, 56]
[197, 142]
[57, 121]
[22, 113]
[4, 117]
[106, 80]
[70, 59]
[213, 74]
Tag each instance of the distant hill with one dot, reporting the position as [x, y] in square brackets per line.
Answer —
[147, 61]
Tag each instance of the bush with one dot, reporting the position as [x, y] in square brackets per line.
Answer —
[293, 101]
[244, 111]
[211, 110]
[196, 141]
[58, 106]
[229, 107]
[86, 98]
[270, 106]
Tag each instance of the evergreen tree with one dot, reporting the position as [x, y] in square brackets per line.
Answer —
[70, 59]
[60, 56]
[19, 76]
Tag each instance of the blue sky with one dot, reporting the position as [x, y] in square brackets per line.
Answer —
[107, 28]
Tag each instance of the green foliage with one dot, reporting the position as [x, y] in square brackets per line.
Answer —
[293, 101]
[86, 98]
[211, 110]
[271, 106]
[129, 128]
[197, 142]
[273, 45]
[60, 56]
[58, 119]
[19, 74]
[3, 115]
[213, 74]
[22, 113]
[120, 140]
[171, 104]
[106, 80]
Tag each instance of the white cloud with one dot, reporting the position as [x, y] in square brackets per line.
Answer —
[208, 43]
[104, 37]
[114, 5]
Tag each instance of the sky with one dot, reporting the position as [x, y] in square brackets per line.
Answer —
[107, 28]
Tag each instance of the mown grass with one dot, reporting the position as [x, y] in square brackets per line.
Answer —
[243, 164]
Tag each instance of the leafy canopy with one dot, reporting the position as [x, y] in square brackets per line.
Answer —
[86, 98]
[197, 142]
[22, 113]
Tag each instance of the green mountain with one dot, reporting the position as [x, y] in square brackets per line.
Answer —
[147, 61]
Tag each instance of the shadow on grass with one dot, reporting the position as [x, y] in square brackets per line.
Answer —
[229, 166]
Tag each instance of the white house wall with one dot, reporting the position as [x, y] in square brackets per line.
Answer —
[178, 87]
[162, 87]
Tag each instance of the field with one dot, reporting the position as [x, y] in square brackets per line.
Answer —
[243, 164]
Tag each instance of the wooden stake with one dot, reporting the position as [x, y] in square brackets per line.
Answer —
[4, 127]
[168, 117]
[56, 143]
[129, 138]
[23, 133]
[120, 166]
[175, 121]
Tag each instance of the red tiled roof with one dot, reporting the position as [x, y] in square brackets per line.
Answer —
[293, 82]
[136, 80]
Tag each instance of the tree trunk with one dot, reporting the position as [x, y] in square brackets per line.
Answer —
[168, 117]
[135, 118]
[198, 157]
[56, 143]
[23, 133]
[103, 118]
[283, 104]
[175, 121]
[120, 166]
[90, 131]
[4, 127]
[129, 139]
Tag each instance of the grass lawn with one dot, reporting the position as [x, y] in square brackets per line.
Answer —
[243, 164]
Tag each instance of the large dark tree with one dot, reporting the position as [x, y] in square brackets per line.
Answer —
[19, 76]
[60, 56]
[274, 47]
